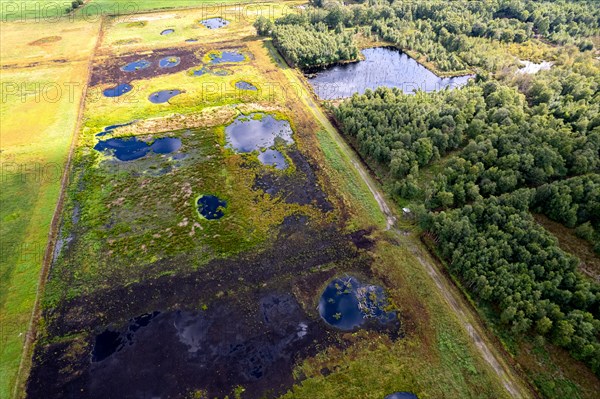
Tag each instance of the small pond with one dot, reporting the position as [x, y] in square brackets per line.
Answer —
[191, 40]
[118, 90]
[167, 32]
[214, 23]
[257, 131]
[211, 207]
[169, 62]
[200, 72]
[136, 65]
[245, 86]
[226, 56]
[402, 395]
[346, 304]
[382, 66]
[131, 148]
[273, 158]
[163, 96]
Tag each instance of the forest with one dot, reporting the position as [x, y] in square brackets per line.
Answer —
[476, 162]
[455, 36]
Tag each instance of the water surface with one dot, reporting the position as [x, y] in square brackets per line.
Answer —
[163, 96]
[214, 23]
[402, 395]
[118, 90]
[136, 65]
[211, 207]
[226, 56]
[167, 32]
[245, 86]
[169, 62]
[257, 131]
[273, 158]
[383, 66]
[131, 148]
[346, 304]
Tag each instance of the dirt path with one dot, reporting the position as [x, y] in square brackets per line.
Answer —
[468, 318]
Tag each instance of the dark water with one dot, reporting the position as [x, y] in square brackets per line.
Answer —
[226, 56]
[382, 66]
[211, 207]
[191, 40]
[163, 96]
[130, 148]
[167, 31]
[214, 23]
[402, 395]
[169, 354]
[346, 304]
[118, 90]
[273, 158]
[136, 65]
[112, 341]
[245, 86]
[109, 129]
[257, 131]
[169, 62]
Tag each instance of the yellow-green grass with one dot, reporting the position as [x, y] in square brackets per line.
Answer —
[35, 44]
[35, 141]
[39, 107]
[434, 360]
[133, 32]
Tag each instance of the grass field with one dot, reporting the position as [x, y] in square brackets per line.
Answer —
[39, 108]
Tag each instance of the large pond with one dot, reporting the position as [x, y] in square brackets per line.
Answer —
[260, 132]
[383, 66]
[131, 148]
[256, 131]
[347, 304]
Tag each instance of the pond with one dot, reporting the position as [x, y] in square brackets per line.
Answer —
[169, 62]
[118, 90]
[167, 32]
[402, 395]
[347, 304]
[226, 56]
[214, 23]
[200, 72]
[211, 207]
[136, 65]
[131, 148]
[191, 40]
[163, 96]
[245, 86]
[273, 158]
[257, 131]
[383, 66]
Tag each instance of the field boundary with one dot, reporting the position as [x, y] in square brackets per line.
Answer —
[30, 337]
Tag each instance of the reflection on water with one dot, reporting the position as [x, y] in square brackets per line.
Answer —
[382, 66]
